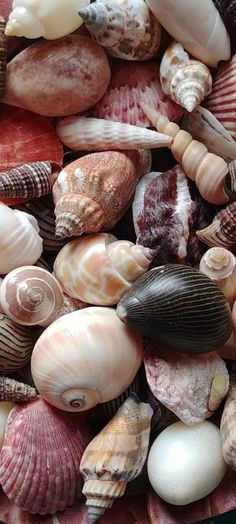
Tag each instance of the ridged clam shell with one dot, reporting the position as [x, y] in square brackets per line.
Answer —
[3, 56]
[222, 231]
[42, 474]
[14, 391]
[16, 345]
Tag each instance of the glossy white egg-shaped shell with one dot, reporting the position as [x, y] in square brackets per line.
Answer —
[186, 463]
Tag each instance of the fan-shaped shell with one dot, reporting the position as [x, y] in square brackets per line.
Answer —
[42, 476]
[179, 307]
[16, 345]
[219, 265]
[84, 358]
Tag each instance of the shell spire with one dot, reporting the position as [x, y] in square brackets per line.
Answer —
[28, 181]
[14, 391]
[3, 56]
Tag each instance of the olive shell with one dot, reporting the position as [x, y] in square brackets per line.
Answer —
[179, 307]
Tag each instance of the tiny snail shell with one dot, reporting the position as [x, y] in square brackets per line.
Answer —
[179, 307]
[98, 269]
[30, 295]
[219, 264]
[85, 358]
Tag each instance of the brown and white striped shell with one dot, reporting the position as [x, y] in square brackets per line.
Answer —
[28, 181]
[222, 231]
[16, 345]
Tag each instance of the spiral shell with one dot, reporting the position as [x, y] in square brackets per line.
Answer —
[222, 231]
[98, 269]
[16, 345]
[184, 80]
[28, 181]
[219, 265]
[115, 456]
[14, 391]
[30, 295]
[3, 56]
[227, 424]
[179, 307]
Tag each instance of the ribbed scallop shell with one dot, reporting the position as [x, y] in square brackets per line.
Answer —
[16, 345]
[222, 231]
[3, 56]
[42, 474]
[179, 307]
[219, 265]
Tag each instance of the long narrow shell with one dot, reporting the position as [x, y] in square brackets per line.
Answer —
[30, 295]
[126, 28]
[219, 265]
[115, 456]
[16, 345]
[96, 134]
[98, 269]
[184, 80]
[27, 181]
[14, 391]
[3, 56]
[228, 426]
[42, 475]
[222, 231]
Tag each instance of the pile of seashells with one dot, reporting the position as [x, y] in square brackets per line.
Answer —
[117, 257]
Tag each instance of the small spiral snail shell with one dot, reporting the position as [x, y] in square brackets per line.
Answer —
[219, 264]
[30, 295]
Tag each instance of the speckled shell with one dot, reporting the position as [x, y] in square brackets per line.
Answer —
[179, 307]
[60, 77]
[115, 456]
[92, 193]
[33, 19]
[227, 424]
[20, 243]
[14, 391]
[42, 476]
[184, 80]
[3, 56]
[222, 231]
[16, 345]
[219, 265]
[98, 269]
[28, 181]
[126, 28]
[94, 359]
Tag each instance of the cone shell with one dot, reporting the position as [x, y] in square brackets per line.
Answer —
[219, 265]
[98, 269]
[222, 100]
[3, 56]
[94, 192]
[130, 82]
[48, 446]
[126, 28]
[59, 77]
[16, 345]
[227, 425]
[222, 231]
[184, 80]
[115, 456]
[14, 391]
[179, 307]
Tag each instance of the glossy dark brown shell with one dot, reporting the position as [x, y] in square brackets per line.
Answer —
[179, 307]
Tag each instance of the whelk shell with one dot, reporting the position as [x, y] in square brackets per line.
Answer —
[219, 265]
[16, 345]
[3, 56]
[222, 231]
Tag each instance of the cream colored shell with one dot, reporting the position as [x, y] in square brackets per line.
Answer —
[48, 18]
[184, 80]
[219, 264]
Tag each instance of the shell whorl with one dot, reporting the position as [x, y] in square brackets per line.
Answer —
[3, 56]
[98, 15]
[222, 231]
[219, 265]
[30, 295]
[27, 181]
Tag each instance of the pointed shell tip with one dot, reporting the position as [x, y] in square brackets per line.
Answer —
[121, 313]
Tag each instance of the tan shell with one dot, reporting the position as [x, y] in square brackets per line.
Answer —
[92, 193]
[184, 80]
[115, 456]
[219, 265]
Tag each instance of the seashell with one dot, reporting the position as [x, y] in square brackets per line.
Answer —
[185, 463]
[219, 265]
[69, 304]
[5, 408]
[30, 295]
[222, 100]
[130, 82]
[184, 80]
[20, 243]
[228, 351]
[28, 181]
[3, 56]
[167, 211]
[204, 127]
[227, 9]
[14, 391]
[115, 456]
[94, 360]
[34, 19]
[227, 424]
[190, 386]
[73, 73]
[222, 231]
[93, 192]
[98, 269]
[179, 307]
[207, 170]
[126, 28]
[94, 134]
[48, 446]
[200, 31]
[16, 345]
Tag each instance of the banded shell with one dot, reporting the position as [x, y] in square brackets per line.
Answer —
[34, 19]
[222, 231]
[227, 424]
[219, 265]
[30, 295]
[115, 456]
[14, 391]
[184, 80]
[48, 446]
[222, 100]
[28, 181]
[94, 360]
[126, 28]
[98, 269]
[16, 345]
[3, 56]
[96, 134]
[130, 82]
[179, 307]
[92, 193]
[73, 73]
[190, 386]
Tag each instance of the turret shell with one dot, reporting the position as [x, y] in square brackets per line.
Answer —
[219, 265]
